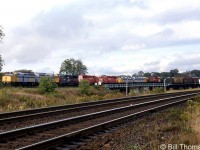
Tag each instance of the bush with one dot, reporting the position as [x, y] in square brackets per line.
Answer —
[157, 90]
[5, 97]
[84, 87]
[47, 85]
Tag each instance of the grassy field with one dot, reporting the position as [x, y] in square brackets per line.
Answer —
[18, 98]
[177, 126]
[13, 99]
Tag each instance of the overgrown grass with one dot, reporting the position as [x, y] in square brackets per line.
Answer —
[179, 126]
[13, 99]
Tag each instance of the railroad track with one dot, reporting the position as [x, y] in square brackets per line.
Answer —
[50, 134]
[15, 120]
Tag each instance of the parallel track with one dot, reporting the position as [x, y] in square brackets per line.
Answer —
[53, 115]
[51, 134]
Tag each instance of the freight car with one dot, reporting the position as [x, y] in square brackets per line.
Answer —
[177, 80]
[185, 80]
[196, 80]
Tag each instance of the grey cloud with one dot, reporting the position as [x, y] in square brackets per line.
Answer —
[167, 38]
[61, 23]
[174, 16]
[67, 28]
[184, 61]
[160, 39]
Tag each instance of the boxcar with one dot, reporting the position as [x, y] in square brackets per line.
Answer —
[187, 80]
[177, 80]
[196, 80]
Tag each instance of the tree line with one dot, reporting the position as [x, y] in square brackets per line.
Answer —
[172, 73]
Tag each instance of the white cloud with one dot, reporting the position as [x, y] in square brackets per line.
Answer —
[134, 46]
[114, 37]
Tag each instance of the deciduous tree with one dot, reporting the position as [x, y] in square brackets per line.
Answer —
[1, 38]
[1, 63]
[174, 72]
[1, 33]
[73, 67]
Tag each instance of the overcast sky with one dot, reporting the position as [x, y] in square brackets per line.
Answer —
[110, 36]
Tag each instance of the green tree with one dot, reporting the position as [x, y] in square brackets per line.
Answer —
[73, 67]
[1, 38]
[1, 33]
[186, 74]
[195, 73]
[141, 73]
[155, 74]
[147, 74]
[1, 63]
[164, 75]
[174, 72]
[47, 84]
[24, 71]
[84, 87]
[135, 75]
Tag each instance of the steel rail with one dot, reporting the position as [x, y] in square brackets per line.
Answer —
[56, 124]
[17, 114]
[69, 137]
[68, 110]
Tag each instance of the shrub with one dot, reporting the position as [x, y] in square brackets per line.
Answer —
[84, 87]
[157, 90]
[47, 85]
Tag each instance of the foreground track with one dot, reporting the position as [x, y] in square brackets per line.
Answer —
[58, 132]
[45, 115]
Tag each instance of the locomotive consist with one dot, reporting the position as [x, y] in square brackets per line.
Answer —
[24, 79]
[33, 79]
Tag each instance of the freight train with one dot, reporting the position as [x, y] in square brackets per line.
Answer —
[33, 79]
